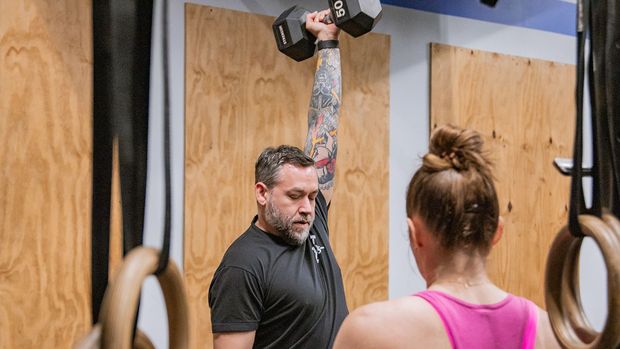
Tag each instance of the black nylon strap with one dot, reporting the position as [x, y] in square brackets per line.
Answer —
[576, 194]
[131, 32]
[102, 156]
[602, 190]
[600, 20]
[121, 55]
[165, 250]
[612, 87]
[605, 110]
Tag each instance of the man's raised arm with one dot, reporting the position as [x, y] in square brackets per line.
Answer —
[321, 142]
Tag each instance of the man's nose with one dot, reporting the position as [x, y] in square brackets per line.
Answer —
[306, 206]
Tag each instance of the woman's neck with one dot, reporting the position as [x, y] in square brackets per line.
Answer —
[459, 270]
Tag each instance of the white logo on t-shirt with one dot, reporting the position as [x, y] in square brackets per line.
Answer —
[316, 248]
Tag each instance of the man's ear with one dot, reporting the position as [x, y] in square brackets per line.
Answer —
[261, 191]
[499, 232]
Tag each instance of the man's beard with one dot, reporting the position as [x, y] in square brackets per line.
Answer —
[284, 226]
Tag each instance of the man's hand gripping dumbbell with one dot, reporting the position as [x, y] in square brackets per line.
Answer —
[356, 17]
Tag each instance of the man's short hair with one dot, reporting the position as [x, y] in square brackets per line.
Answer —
[272, 159]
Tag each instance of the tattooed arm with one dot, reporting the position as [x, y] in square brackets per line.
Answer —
[321, 142]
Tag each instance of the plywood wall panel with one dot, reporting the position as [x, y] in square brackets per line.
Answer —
[242, 95]
[45, 178]
[524, 108]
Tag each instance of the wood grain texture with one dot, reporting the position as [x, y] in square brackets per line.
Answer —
[45, 181]
[524, 108]
[115, 257]
[243, 95]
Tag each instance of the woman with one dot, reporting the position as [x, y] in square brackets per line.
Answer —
[453, 220]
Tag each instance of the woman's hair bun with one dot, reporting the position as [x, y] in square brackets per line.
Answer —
[455, 148]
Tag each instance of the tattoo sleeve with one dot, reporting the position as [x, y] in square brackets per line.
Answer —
[321, 142]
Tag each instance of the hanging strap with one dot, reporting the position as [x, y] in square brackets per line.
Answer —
[612, 87]
[604, 78]
[576, 192]
[602, 192]
[165, 250]
[121, 68]
[102, 156]
[131, 51]
[598, 20]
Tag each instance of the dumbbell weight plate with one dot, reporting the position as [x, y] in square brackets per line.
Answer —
[291, 35]
[356, 17]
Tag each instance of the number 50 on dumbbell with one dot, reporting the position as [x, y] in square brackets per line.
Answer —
[356, 17]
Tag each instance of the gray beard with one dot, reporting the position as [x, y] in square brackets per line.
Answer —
[284, 225]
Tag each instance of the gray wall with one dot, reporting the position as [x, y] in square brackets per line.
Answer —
[411, 31]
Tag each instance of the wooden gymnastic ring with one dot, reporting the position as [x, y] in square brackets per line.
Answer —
[93, 340]
[566, 314]
[586, 332]
[571, 300]
[121, 300]
[142, 341]
[577, 318]
[613, 223]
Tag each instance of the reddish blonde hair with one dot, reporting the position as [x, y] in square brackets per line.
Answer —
[453, 192]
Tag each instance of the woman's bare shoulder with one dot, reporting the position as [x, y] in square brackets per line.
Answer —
[402, 322]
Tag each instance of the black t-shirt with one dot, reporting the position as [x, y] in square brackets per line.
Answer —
[292, 297]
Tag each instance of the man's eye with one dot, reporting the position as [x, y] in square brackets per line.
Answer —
[294, 197]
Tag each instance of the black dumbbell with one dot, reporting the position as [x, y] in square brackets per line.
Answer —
[355, 17]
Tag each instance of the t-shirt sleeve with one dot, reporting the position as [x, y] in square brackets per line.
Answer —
[321, 211]
[235, 299]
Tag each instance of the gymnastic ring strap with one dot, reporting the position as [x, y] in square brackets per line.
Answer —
[121, 299]
[562, 289]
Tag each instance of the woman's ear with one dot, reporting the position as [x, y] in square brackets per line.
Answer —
[499, 232]
[260, 189]
[414, 241]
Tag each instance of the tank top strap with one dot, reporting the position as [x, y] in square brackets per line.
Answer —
[529, 335]
[436, 303]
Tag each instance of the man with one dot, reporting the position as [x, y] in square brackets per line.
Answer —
[279, 285]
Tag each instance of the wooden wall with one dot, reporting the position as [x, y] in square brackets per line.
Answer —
[45, 178]
[242, 95]
[524, 108]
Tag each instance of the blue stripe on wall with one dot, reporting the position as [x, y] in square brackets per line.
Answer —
[549, 15]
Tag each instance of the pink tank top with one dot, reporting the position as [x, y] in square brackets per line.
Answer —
[509, 324]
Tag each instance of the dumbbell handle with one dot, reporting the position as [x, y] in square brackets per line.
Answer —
[328, 19]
